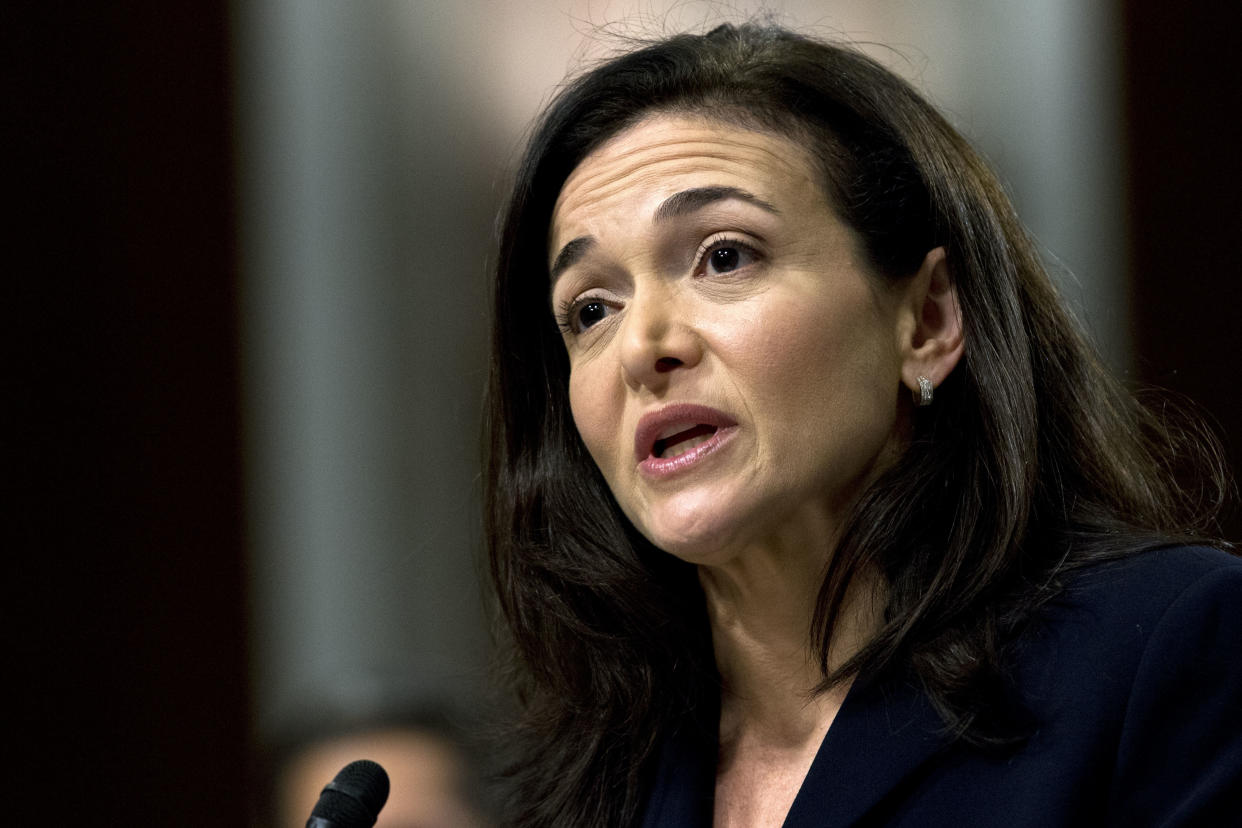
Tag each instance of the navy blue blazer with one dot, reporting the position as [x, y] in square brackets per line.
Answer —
[1134, 675]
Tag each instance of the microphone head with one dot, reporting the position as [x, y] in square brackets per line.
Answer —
[354, 797]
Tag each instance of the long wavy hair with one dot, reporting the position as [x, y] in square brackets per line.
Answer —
[1033, 460]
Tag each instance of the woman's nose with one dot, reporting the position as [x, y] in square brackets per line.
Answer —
[658, 337]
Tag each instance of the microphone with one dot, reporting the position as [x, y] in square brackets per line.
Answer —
[353, 798]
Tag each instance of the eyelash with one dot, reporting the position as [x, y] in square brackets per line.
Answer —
[568, 310]
[721, 242]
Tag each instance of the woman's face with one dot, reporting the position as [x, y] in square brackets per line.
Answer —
[735, 370]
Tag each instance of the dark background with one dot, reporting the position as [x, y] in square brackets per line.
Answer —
[129, 597]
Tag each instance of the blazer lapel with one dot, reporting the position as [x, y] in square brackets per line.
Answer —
[684, 785]
[882, 734]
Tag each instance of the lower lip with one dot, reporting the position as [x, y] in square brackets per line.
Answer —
[660, 467]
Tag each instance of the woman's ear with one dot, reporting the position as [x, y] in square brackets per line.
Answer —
[931, 330]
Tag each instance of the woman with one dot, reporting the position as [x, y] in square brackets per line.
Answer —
[807, 503]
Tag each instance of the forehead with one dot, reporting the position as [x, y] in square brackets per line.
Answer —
[632, 173]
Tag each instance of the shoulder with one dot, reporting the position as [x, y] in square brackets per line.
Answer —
[1136, 662]
[1137, 597]
[1151, 580]
[1116, 621]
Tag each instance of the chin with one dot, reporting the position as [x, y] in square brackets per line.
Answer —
[712, 526]
[697, 533]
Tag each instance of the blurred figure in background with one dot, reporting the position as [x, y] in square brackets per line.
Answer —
[432, 770]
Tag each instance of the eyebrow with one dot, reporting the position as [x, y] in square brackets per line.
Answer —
[675, 206]
[569, 255]
[688, 201]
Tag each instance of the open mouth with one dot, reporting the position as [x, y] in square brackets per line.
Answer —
[682, 441]
[671, 438]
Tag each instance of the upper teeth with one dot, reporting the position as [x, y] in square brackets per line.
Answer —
[686, 436]
[675, 428]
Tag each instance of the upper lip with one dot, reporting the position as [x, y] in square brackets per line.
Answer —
[669, 420]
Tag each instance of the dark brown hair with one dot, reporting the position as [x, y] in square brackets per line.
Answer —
[1033, 460]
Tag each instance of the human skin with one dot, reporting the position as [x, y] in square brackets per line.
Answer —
[795, 342]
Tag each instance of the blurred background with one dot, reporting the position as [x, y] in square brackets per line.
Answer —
[251, 334]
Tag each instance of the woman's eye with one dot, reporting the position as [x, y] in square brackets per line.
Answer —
[574, 317]
[589, 313]
[726, 258]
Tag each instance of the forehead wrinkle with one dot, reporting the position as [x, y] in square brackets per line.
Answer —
[640, 168]
[608, 185]
[617, 170]
[764, 162]
[741, 153]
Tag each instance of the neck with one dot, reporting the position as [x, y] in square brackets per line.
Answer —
[760, 605]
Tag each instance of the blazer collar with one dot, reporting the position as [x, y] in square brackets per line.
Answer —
[884, 731]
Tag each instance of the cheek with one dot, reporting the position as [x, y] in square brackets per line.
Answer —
[595, 415]
[812, 365]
